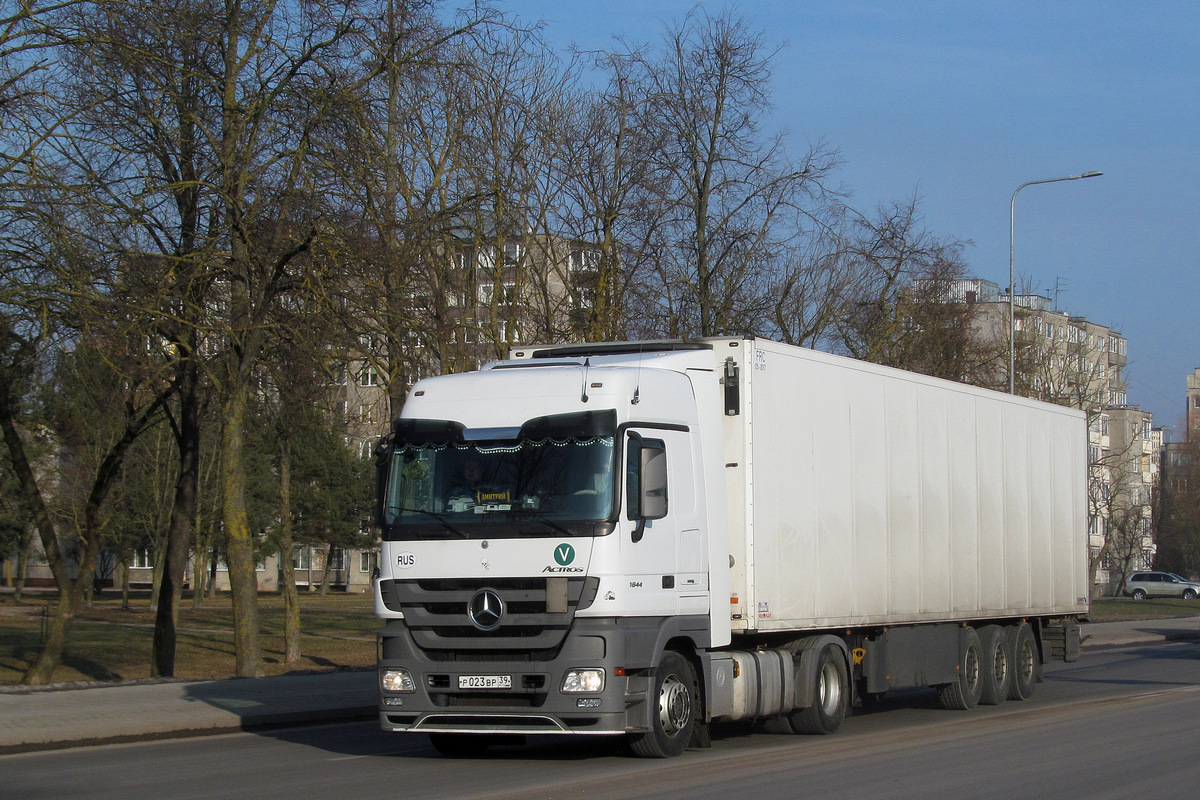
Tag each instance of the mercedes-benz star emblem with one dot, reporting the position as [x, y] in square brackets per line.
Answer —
[485, 609]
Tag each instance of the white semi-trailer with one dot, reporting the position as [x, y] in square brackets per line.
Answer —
[644, 538]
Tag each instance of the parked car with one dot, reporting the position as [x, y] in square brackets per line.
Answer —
[1140, 585]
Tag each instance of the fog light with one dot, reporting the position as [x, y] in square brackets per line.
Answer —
[398, 680]
[586, 681]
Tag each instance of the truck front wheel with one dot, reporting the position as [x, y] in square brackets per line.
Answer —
[831, 696]
[673, 717]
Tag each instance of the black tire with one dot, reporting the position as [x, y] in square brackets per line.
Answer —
[460, 745]
[676, 698]
[1023, 661]
[964, 693]
[831, 696]
[1189, 594]
[995, 669]
[1139, 594]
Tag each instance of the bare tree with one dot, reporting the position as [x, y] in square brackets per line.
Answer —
[731, 198]
[1177, 511]
[608, 197]
[899, 305]
[1119, 501]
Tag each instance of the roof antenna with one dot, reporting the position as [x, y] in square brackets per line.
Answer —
[587, 364]
[637, 386]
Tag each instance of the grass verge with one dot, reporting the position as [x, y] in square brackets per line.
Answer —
[1119, 609]
[111, 643]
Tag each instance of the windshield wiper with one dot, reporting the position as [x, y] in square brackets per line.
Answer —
[549, 523]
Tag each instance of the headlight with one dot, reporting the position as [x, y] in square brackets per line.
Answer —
[398, 680]
[583, 681]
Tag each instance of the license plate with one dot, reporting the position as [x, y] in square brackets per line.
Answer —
[485, 681]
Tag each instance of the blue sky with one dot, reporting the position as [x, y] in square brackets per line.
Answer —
[962, 102]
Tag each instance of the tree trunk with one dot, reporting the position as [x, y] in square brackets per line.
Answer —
[239, 547]
[41, 672]
[156, 574]
[124, 567]
[327, 569]
[22, 571]
[212, 575]
[199, 587]
[183, 511]
[291, 597]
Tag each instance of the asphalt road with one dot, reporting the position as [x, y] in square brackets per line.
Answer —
[1119, 723]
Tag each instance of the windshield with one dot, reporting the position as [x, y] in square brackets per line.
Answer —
[522, 486]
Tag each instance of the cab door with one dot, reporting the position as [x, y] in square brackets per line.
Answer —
[665, 550]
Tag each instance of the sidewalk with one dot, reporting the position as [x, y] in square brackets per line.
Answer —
[67, 717]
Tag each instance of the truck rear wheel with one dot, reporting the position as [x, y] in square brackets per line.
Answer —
[996, 670]
[964, 693]
[1023, 650]
[831, 696]
[676, 698]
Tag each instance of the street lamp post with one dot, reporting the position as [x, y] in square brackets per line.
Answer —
[1012, 225]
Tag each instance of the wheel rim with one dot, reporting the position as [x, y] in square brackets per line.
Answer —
[674, 705]
[829, 689]
[1000, 667]
[971, 669]
[1025, 661]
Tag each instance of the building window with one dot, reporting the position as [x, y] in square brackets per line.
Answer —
[582, 259]
[141, 559]
[302, 557]
[261, 566]
[368, 377]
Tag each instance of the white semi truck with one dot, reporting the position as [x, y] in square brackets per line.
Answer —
[643, 538]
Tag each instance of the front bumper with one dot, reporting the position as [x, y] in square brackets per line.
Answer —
[534, 704]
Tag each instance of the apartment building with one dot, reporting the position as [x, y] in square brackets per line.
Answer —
[1069, 360]
[485, 295]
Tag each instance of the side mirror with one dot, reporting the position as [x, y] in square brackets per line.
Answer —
[647, 482]
[654, 481]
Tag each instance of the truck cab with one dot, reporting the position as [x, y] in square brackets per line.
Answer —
[546, 536]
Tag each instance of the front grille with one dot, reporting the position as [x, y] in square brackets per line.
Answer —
[435, 612]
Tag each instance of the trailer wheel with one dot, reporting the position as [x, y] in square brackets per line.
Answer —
[831, 696]
[964, 693]
[996, 669]
[1024, 659]
[674, 715]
